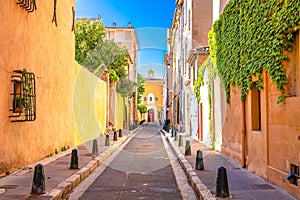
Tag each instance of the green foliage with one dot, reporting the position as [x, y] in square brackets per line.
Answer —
[113, 77]
[249, 37]
[125, 87]
[108, 54]
[24, 102]
[64, 148]
[87, 36]
[141, 87]
[142, 108]
[206, 66]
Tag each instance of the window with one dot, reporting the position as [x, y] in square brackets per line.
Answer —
[255, 108]
[17, 95]
[293, 176]
[23, 96]
[145, 98]
[150, 98]
[156, 98]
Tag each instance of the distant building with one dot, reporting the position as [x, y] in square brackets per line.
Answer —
[127, 37]
[153, 98]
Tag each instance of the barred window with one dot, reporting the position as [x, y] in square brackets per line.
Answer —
[23, 96]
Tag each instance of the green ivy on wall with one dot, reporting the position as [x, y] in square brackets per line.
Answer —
[251, 36]
[208, 67]
[199, 82]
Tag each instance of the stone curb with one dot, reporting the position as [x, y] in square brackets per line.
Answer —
[71, 182]
[201, 190]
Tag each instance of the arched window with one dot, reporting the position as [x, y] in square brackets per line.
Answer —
[150, 98]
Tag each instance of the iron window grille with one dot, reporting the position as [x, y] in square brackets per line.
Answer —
[23, 96]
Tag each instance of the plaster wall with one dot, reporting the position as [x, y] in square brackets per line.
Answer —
[89, 106]
[219, 106]
[256, 140]
[156, 88]
[283, 136]
[32, 41]
[207, 139]
[232, 127]
[119, 112]
[202, 18]
[270, 151]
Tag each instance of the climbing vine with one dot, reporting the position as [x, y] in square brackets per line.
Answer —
[251, 36]
[207, 66]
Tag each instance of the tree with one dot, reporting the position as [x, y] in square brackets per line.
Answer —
[108, 54]
[142, 108]
[97, 54]
[141, 87]
[88, 34]
[125, 87]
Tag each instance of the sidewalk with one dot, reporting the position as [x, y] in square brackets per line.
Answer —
[59, 178]
[242, 183]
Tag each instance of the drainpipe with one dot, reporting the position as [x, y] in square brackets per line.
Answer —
[244, 136]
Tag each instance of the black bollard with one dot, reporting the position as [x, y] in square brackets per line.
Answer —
[120, 133]
[172, 132]
[74, 159]
[187, 148]
[115, 136]
[38, 184]
[199, 161]
[95, 147]
[222, 183]
[180, 142]
[176, 136]
[107, 142]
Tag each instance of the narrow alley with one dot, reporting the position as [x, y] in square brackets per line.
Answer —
[141, 170]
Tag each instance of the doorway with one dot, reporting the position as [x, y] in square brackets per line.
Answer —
[151, 115]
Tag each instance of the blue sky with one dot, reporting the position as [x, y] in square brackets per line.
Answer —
[150, 18]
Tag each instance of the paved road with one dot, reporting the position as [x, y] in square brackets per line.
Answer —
[142, 170]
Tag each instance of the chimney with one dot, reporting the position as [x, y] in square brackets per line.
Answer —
[129, 24]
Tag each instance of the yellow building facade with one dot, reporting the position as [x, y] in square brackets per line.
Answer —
[153, 99]
[30, 40]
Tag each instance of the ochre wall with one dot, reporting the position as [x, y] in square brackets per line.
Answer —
[256, 141]
[270, 151]
[119, 112]
[232, 127]
[32, 41]
[156, 88]
[89, 106]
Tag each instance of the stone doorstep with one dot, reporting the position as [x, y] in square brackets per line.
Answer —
[67, 186]
[201, 190]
